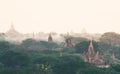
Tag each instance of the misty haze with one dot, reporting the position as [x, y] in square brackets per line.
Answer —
[59, 37]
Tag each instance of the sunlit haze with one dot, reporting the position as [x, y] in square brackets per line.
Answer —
[96, 16]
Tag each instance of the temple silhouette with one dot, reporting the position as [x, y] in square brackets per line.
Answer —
[93, 57]
[68, 43]
[50, 38]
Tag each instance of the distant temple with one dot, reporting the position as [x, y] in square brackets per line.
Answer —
[13, 35]
[92, 57]
[50, 38]
[12, 32]
[68, 43]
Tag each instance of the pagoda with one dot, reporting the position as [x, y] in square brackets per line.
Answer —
[50, 38]
[13, 35]
[93, 57]
[68, 43]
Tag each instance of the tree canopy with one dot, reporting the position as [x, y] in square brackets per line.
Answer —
[110, 38]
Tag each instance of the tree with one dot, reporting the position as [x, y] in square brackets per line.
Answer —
[5, 46]
[31, 44]
[28, 42]
[116, 67]
[48, 45]
[110, 38]
[14, 59]
[68, 64]
[83, 46]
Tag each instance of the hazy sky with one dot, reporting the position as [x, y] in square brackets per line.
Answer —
[97, 16]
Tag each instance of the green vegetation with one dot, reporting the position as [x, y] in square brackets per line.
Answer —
[41, 57]
[83, 46]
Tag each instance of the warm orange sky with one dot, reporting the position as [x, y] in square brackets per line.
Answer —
[60, 15]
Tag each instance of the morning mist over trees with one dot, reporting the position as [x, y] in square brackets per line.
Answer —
[53, 53]
[59, 37]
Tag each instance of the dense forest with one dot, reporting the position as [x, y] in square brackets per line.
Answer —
[42, 57]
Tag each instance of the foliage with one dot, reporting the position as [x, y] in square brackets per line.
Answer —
[31, 44]
[110, 38]
[16, 59]
[116, 67]
[83, 46]
[4, 46]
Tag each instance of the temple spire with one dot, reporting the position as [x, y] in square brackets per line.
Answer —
[91, 44]
[50, 38]
[12, 26]
[91, 49]
[68, 43]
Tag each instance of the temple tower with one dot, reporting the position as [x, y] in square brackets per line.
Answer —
[68, 43]
[13, 35]
[12, 27]
[91, 49]
[50, 38]
[92, 57]
[89, 55]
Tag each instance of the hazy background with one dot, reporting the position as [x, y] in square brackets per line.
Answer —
[97, 16]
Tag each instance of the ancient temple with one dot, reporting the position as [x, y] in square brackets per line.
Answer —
[93, 57]
[13, 35]
[68, 43]
[50, 38]
[12, 32]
